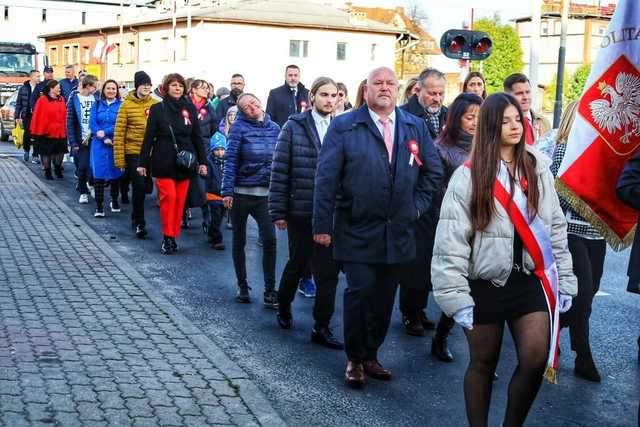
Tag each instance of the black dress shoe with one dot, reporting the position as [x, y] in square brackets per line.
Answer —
[324, 337]
[440, 348]
[174, 244]
[166, 248]
[412, 325]
[243, 294]
[586, 369]
[285, 320]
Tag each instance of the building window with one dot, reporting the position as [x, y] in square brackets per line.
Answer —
[66, 52]
[545, 28]
[6, 13]
[131, 54]
[86, 55]
[165, 48]
[53, 55]
[75, 54]
[299, 48]
[44, 15]
[146, 50]
[373, 51]
[117, 56]
[183, 48]
[341, 51]
[84, 18]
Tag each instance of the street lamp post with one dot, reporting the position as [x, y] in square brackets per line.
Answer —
[557, 111]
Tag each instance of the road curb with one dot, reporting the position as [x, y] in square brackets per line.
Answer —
[252, 396]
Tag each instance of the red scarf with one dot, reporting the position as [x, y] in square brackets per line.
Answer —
[198, 104]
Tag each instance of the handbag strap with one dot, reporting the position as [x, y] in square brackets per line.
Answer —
[173, 136]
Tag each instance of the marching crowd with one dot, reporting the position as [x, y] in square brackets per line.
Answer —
[458, 201]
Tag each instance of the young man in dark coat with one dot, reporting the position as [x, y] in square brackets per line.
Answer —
[37, 91]
[629, 192]
[428, 102]
[377, 173]
[70, 81]
[23, 110]
[291, 208]
[290, 98]
[245, 186]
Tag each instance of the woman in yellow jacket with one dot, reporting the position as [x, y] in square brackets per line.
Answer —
[128, 136]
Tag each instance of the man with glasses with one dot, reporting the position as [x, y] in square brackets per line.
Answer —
[237, 88]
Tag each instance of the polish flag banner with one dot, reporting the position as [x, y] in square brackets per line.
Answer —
[606, 131]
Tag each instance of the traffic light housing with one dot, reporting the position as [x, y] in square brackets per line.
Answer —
[465, 44]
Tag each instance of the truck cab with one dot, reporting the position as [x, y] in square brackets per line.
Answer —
[16, 61]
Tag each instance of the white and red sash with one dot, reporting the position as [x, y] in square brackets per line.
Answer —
[537, 242]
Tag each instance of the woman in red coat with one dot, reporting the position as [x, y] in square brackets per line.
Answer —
[49, 128]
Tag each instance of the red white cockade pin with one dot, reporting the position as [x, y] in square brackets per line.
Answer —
[202, 114]
[185, 116]
[414, 149]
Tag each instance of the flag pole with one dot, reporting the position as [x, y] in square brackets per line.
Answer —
[557, 111]
[535, 47]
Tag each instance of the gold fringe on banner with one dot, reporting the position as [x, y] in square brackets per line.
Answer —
[551, 375]
[585, 211]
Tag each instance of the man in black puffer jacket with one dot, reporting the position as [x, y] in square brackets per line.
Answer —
[23, 110]
[291, 207]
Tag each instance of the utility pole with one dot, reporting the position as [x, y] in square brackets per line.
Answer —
[557, 111]
[534, 48]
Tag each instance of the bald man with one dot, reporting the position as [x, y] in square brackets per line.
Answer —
[377, 172]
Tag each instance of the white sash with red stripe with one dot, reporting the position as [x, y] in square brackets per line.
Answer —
[537, 242]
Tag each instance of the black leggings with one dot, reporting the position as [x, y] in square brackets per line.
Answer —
[588, 262]
[531, 335]
[114, 188]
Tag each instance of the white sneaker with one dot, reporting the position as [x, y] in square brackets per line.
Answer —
[99, 213]
[84, 199]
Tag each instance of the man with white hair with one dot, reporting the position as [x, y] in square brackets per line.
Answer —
[377, 172]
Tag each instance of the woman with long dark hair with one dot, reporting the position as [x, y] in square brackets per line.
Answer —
[454, 146]
[476, 84]
[172, 129]
[49, 128]
[102, 122]
[501, 256]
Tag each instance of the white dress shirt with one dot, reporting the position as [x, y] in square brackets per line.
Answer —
[322, 124]
[392, 121]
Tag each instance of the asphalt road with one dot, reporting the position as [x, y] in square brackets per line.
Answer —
[305, 382]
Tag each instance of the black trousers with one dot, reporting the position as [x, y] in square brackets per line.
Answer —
[26, 138]
[415, 283]
[139, 188]
[213, 218]
[114, 189]
[368, 304]
[257, 207]
[82, 162]
[588, 263]
[303, 251]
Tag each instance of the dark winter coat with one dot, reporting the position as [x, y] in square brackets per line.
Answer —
[35, 94]
[629, 192]
[158, 151]
[281, 105]
[213, 180]
[23, 105]
[380, 201]
[67, 86]
[74, 118]
[414, 107]
[208, 125]
[294, 169]
[247, 161]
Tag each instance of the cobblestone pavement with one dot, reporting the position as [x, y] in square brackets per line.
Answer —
[85, 340]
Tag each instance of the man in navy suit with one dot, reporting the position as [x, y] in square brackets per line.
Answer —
[289, 99]
[377, 172]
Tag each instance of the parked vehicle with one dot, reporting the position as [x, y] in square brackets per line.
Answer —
[7, 117]
[16, 61]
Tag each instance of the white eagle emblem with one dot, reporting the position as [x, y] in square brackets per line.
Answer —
[623, 111]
